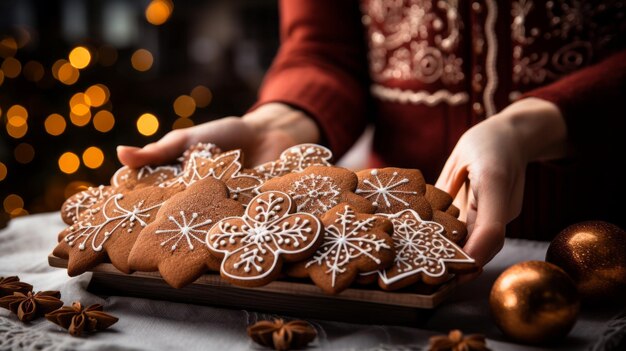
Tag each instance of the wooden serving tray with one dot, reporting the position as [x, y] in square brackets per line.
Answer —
[295, 298]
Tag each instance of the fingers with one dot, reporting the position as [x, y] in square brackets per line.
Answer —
[487, 217]
[452, 177]
[165, 150]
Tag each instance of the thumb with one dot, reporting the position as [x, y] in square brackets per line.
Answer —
[167, 149]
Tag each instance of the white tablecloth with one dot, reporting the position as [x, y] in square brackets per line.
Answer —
[157, 325]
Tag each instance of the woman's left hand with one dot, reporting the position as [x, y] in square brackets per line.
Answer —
[486, 170]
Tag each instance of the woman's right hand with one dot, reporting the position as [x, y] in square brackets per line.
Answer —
[262, 135]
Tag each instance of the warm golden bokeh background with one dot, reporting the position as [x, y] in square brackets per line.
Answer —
[79, 77]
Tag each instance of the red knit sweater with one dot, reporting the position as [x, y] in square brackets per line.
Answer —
[423, 72]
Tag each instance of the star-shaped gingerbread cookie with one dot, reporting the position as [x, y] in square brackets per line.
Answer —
[78, 203]
[295, 159]
[393, 190]
[130, 178]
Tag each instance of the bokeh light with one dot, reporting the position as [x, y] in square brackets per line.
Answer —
[3, 171]
[12, 202]
[158, 11]
[8, 47]
[181, 123]
[98, 94]
[1, 77]
[142, 60]
[147, 124]
[79, 104]
[67, 74]
[184, 106]
[69, 162]
[103, 121]
[17, 110]
[55, 124]
[79, 57]
[56, 66]
[24, 153]
[202, 95]
[33, 71]
[11, 67]
[80, 120]
[93, 157]
[17, 125]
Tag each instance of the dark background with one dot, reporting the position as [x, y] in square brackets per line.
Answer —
[223, 45]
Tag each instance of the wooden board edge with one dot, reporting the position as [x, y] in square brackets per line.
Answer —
[401, 299]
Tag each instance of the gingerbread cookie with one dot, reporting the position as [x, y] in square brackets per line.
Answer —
[202, 150]
[253, 246]
[353, 243]
[109, 229]
[392, 190]
[439, 200]
[317, 189]
[423, 252]
[174, 244]
[226, 166]
[78, 203]
[131, 178]
[295, 159]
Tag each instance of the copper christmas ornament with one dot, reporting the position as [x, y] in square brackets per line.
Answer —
[594, 254]
[534, 302]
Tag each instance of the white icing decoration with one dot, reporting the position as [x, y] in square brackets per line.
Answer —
[185, 229]
[420, 247]
[376, 188]
[266, 231]
[82, 201]
[126, 218]
[345, 241]
[315, 194]
[296, 159]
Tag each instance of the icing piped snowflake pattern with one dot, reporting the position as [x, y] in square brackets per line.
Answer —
[296, 159]
[225, 167]
[253, 244]
[85, 232]
[315, 194]
[420, 247]
[377, 190]
[346, 240]
[75, 205]
[185, 229]
[159, 173]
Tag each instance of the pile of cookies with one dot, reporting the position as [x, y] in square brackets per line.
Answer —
[298, 216]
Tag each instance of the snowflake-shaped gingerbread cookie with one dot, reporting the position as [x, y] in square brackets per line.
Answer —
[226, 166]
[392, 190]
[295, 159]
[353, 243]
[109, 229]
[253, 247]
[423, 253]
[317, 189]
[78, 203]
[174, 244]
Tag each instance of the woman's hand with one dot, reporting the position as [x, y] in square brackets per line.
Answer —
[262, 135]
[486, 170]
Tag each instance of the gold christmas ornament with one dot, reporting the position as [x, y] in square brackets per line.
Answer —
[594, 255]
[534, 302]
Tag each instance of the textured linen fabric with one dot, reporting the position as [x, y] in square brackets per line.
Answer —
[158, 325]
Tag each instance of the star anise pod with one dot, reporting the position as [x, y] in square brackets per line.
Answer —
[29, 305]
[9, 285]
[78, 320]
[282, 336]
[455, 341]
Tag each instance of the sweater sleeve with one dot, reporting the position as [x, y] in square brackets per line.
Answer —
[321, 68]
[593, 103]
